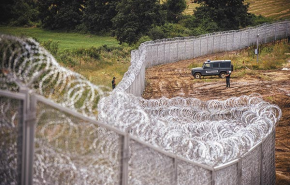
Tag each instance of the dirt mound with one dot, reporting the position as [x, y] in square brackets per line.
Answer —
[175, 79]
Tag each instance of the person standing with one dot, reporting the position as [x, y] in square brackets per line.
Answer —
[113, 83]
[228, 76]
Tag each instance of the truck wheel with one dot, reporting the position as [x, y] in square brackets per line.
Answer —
[222, 74]
[197, 75]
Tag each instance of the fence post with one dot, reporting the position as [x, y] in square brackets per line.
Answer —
[21, 143]
[29, 121]
[239, 172]
[226, 42]
[125, 158]
[212, 51]
[286, 29]
[177, 51]
[275, 31]
[175, 180]
[207, 44]
[261, 164]
[200, 47]
[213, 175]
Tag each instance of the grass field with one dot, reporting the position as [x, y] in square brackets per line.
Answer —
[65, 40]
[98, 71]
[116, 63]
[275, 9]
[190, 6]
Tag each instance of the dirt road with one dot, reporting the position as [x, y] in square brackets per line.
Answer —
[175, 79]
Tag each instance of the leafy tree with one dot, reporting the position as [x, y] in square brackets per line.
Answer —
[6, 9]
[98, 14]
[175, 9]
[228, 14]
[18, 12]
[136, 17]
[199, 24]
[61, 14]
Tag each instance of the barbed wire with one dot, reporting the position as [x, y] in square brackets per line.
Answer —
[210, 132]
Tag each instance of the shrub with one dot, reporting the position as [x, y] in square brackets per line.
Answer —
[257, 20]
[272, 64]
[67, 59]
[92, 52]
[51, 46]
[156, 33]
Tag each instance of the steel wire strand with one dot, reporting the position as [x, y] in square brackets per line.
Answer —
[208, 132]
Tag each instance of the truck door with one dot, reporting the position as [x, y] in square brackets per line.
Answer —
[208, 69]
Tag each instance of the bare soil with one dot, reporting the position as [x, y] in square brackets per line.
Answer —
[175, 79]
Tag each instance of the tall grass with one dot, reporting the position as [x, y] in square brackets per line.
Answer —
[98, 58]
[272, 56]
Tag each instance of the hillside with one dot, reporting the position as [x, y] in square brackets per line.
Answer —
[277, 9]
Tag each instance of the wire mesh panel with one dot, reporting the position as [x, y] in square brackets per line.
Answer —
[210, 44]
[268, 149]
[161, 53]
[223, 43]
[181, 50]
[204, 46]
[10, 140]
[197, 47]
[227, 176]
[253, 36]
[244, 38]
[147, 166]
[173, 51]
[237, 40]
[167, 52]
[69, 150]
[230, 41]
[189, 48]
[216, 43]
[251, 166]
[269, 33]
[154, 54]
[281, 32]
[188, 174]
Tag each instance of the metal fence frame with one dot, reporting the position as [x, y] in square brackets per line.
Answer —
[149, 54]
[28, 118]
[165, 51]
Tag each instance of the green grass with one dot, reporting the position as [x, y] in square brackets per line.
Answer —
[272, 56]
[100, 71]
[66, 41]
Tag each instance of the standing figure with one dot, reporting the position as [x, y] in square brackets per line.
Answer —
[113, 83]
[228, 76]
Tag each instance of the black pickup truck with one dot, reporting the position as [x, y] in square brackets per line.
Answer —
[210, 68]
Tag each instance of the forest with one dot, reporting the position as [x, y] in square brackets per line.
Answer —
[130, 21]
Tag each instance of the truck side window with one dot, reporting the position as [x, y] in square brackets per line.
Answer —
[215, 65]
[206, 65]
[225, 65]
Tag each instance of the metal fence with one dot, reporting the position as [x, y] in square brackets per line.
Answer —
[45, 143]
[171, 50]
[42, 142]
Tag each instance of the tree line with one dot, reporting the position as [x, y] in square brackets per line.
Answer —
[130, 20]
